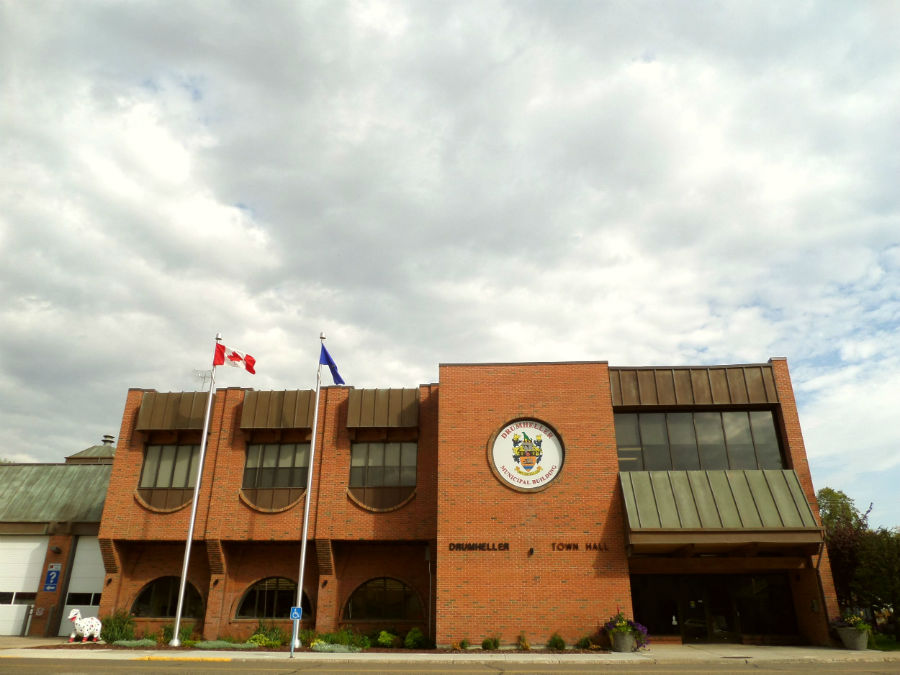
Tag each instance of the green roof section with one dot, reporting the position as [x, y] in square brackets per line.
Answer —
[44, 493]
[715, 500]
[95, 452]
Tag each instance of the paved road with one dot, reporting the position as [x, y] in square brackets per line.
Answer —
[28, 666]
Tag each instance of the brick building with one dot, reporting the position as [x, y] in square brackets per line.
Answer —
[505, 499]
[49, 556]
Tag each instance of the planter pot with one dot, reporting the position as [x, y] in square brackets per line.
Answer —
[622, 642]
[853, 638]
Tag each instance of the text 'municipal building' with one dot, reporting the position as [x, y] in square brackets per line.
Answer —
[507, 498]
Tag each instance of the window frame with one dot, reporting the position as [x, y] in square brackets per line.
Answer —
[407, 591]
[716, 446]
[193, 600]
[290, 587]
[382, 477]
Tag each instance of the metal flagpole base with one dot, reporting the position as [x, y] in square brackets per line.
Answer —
[174, 642]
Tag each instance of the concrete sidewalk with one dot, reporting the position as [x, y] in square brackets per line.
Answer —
[19, 647]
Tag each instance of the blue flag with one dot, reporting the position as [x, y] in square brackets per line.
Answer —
[326, 360]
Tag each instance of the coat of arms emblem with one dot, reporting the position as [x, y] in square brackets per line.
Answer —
[527, 454]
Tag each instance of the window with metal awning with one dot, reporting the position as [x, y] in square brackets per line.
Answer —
[726, 512]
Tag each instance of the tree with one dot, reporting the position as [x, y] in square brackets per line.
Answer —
[845, 527]
[877, 579]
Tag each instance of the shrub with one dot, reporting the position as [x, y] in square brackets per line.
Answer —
[386, 639]
[414, 639]
[584, 643]
[224, 644]
[464, 643]
[269, 634]
[119, 626]
[345, 636]
[261, 640]
[184, 633]
[490, 643]
[522, 643]
[320, 645]
[143, 642]
[556, 643]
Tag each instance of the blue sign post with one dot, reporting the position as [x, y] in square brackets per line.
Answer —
[52, 578]
[296, 615]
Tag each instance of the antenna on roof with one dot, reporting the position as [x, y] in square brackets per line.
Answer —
[204, 377]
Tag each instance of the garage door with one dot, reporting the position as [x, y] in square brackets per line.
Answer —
[85, 583]
[21, 564]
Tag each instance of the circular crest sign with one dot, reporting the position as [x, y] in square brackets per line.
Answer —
[526, 455]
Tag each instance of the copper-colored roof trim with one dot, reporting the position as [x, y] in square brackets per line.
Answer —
[383, 408]
[172, 411]
[292, 409]
[693, 386]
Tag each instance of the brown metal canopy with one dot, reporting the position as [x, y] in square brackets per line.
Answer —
[696, 512]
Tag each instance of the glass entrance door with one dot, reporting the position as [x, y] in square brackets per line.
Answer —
[707, 610]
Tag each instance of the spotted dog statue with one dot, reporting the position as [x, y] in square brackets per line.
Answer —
[86, 627]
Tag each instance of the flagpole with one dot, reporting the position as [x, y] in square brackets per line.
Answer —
[309, 475]
[175, 642]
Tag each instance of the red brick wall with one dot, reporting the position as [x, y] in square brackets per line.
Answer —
[503, 593]
[809, 598]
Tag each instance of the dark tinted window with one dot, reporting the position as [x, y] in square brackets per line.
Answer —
[383, 598]
[697, 440]
[271, 598]
[276, 465]
[159, 598]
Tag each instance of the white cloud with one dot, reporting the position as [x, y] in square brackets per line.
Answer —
[436, 183]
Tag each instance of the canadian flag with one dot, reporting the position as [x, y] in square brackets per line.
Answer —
[232, 357]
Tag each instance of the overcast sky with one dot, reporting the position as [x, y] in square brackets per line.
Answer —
[666, 183]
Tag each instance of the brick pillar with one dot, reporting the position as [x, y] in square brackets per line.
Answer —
[328, 608]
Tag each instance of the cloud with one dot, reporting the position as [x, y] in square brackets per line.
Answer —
[437, 183]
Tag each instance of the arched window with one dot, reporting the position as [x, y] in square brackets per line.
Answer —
[383, 598]
[159, 598]
[272, 598]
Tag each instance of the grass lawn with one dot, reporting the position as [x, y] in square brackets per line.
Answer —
[885, 643]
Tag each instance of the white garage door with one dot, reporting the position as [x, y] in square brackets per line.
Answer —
[85, 584]
[21, 564]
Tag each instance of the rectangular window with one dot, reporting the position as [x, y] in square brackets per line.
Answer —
[765, 440]
[628, 440]
[687, 441]
[683, 441]
[24, 598]
[276, 465]
[740, 443]
[655, 442]
[170, 466]
[383, 464]
[711, 440]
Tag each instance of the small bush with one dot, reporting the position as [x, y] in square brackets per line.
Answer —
[224, 644]
[119, 626]
[414, 639]
[184, 632]
[386, 639]
[556, 643]
[322, 646]
[260, 640]
[464, 643]
[345, 636]
[584, 643]
[522, 643]
[274, 636]
[490, 643]
[143, 642]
